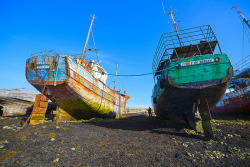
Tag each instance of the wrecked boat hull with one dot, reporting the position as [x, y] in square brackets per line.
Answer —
[175, 96]
[235, 102]
[178, 103]
[16, 101]
[191, 79]
[73, 88]
[14, 107]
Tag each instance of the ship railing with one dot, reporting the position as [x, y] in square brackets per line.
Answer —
[241, 76]
[47, 56]
[242, 68]
[243, 63]
[53, 53]
[75, 56]
[196, 36]
[44, 53]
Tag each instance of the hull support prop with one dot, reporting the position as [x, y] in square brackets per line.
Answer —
[205, 117]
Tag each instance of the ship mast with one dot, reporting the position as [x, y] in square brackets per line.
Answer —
[247, 22]
[115, 74]
[170, 13]
[87, 39]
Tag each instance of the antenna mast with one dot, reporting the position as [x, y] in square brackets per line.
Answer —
[115, 74]
[174, 22]
[247, 22]
[87, 39]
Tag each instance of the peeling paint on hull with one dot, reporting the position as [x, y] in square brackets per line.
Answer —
[174, 97]
[235, 102]
[77, 92]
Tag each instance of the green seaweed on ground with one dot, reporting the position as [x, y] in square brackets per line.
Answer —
[21, 137]
[199, 129]
[49, 135]
[9, 154]
[237, 122]
[190, 131]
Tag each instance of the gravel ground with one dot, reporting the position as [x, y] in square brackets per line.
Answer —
[134, 140]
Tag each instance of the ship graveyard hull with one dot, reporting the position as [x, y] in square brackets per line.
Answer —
[16, 101]
[235, 102]
[178, 89]
[178, 103]
[241, 107]
[73, 88]
[14, 107]
[66, 97]
[190, 77]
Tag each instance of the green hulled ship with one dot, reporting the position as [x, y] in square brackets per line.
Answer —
[190, 78]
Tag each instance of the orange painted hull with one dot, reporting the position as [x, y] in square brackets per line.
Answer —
[81, 95]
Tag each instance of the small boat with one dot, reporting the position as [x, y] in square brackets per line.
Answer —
[237, 98]
[189, 77]
[76, 85]
[16, 101]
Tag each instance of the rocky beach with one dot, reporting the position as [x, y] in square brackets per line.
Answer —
[133, 140]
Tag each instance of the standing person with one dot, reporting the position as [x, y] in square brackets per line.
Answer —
[149, 112]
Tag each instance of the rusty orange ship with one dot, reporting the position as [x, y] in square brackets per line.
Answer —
[76, 85]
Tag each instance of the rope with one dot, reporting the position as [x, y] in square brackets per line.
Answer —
[129, 75]
[135, 75]
[94, 46]
[247, 31]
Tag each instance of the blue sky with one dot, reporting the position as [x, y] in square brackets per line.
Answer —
[125, 31]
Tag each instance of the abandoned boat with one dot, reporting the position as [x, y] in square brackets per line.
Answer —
[16, 101]
[76, 85]
[189, 77]
[237, 98]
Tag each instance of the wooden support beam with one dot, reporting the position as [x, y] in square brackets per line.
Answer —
[206, 117]
[39, 110]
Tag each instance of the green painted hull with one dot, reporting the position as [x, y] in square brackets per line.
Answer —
[186, 79]
[200, 72]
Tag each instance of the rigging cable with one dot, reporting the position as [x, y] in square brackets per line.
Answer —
[95, 47]
[136, 75]
[243, 42]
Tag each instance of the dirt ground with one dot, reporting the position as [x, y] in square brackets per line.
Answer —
[133, 140]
